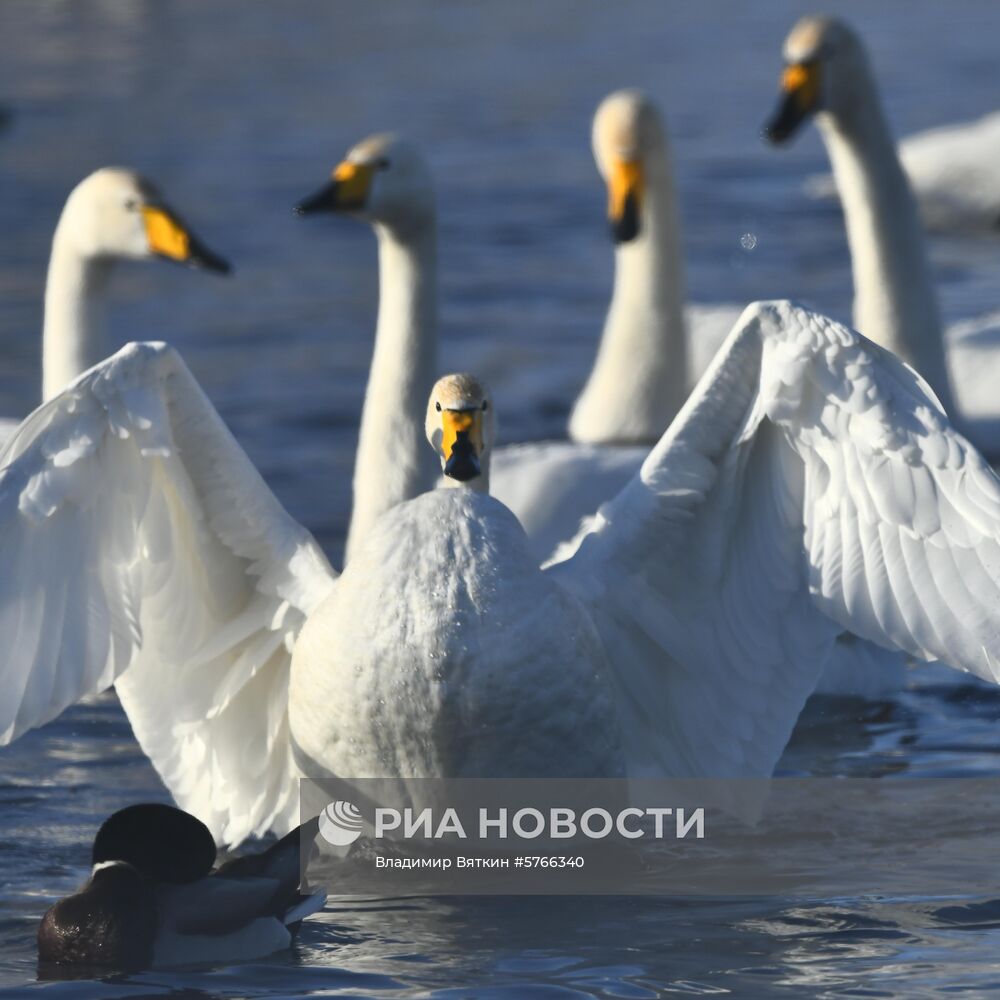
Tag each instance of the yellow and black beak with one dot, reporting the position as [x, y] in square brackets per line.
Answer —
[169, 237]
[346, 191]
[800, 97]
[462, 443]
[625, 191]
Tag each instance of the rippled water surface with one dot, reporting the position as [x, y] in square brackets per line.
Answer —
[239, 109]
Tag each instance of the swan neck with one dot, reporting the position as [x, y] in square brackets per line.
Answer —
[73, 329]
[394, 462]
[639, 378]
[894, 300]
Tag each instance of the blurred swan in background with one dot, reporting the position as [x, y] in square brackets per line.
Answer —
[113, 214]
[952, 171]
[385, 181]
[809, 485]
[827, 74]
[652, 348]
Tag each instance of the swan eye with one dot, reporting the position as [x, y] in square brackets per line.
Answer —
[131, 204]
[382, 163]
[437, 406]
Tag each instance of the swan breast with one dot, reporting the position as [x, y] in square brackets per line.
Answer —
[445, 652]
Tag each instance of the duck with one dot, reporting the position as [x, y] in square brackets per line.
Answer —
[641, 375]
[951, 171]
[112, 214]
[810, 485]
[153, 899]
[828, 77]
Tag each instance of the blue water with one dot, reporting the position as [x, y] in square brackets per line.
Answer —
[240, 109]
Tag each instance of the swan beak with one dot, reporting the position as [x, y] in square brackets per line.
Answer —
[462, 443]
[799, 99]
[625, 186]
[346, 191]
[169, 237]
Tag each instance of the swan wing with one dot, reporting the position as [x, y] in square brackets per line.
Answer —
[142, 548]
[810, 485]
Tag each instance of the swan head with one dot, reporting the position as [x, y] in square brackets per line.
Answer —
[627, 134]
[384, 180]
[460, 428]
[118, 214]
[826, 72]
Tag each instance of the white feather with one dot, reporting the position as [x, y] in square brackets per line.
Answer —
[145, 549]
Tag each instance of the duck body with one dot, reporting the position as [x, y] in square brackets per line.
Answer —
[153, 899]
[416, 665]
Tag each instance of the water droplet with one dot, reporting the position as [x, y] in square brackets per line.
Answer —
[748, 241]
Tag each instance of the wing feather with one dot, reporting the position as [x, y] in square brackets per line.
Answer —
[145, 550]
[811, 484]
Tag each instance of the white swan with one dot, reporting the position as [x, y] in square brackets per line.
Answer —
[828, 75]
[952, 172]
[385, 181]
[809, 485]
[642, 372]
[113, 214]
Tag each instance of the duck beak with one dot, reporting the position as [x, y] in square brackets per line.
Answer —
[346, 191]
[169, 237]
[625, 190]
[462, 443]
[799, 99]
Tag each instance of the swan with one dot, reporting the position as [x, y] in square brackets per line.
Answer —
[810, 484]
[385, 181]
[650, 345]
[827, 75]
[640, 378]
[112, 214]
[952, 172]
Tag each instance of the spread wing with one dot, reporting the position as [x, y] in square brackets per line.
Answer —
[142, 548]
[811, 484]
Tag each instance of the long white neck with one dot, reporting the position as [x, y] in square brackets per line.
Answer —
[894, 301]
[639, 380]
[393, 462]
[73, 332]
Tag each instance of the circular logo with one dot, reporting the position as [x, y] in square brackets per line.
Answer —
[340, 823]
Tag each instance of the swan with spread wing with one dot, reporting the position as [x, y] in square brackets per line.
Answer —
[810, 484]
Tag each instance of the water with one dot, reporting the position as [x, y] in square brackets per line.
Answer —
[238, 110]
